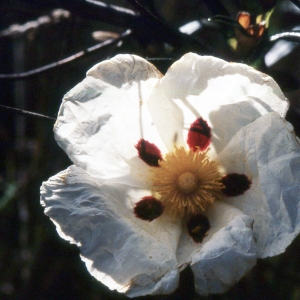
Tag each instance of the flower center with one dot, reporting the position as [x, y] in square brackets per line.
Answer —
[186, 182]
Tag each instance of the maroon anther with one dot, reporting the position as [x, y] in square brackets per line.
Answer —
[148, 152]
[198, 227]
[235, 184]
[199, 135]
[148, 209]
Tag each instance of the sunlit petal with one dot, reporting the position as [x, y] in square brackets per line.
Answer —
[100, 220]
[268, 151]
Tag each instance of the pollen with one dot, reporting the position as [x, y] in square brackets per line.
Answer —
[186, 182]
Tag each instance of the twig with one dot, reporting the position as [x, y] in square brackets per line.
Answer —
[145, 28]
[231, 22]
[25, 75]
[159, 58]
[292, 36]
[146, 11]
[54, 16]
[25, 112]
[89, 9]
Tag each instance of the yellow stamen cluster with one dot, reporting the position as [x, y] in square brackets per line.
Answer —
[187, 182]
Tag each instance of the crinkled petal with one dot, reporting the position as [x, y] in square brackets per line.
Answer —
[103, 118]
[125, 253]
[268, 152]
[227, 95]
[225, 255]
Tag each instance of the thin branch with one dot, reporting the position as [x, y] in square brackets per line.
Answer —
[293, 36]
[231, 22]
[146, 11]
[25, 112]
[54, 16]
[145, 28]
[27, 74]
[158, 58]
[111, 6]
[89, 9]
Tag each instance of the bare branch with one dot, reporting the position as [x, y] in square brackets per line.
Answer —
[143, 9]
[293, 36]
[27, 74]
[16, 29]
[159, 58]
[25, 112]
[145, 28]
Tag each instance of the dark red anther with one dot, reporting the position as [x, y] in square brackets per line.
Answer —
[198, 227]
[148, 209]
[199, 136]
[235, 184]
[148, 152]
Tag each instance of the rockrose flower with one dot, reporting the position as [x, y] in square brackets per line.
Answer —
[197, 167]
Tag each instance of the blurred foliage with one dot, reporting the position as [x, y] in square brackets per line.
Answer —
[35, 263]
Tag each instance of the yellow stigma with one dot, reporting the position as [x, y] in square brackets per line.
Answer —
[187, 182]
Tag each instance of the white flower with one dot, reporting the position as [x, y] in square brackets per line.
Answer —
[196, 168]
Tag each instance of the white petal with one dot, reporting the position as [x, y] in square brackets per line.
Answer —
[225, 255]
[268, 152]
[125, 253]
[227, 95]
[104, 116]
[167, 117]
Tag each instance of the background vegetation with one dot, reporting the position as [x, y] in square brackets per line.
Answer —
[34, 262]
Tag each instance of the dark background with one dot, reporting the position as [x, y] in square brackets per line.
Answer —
[34, 262]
